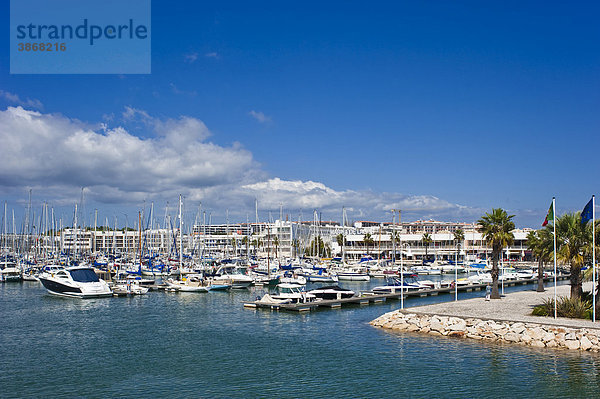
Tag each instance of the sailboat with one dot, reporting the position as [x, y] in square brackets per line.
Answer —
[189, 283]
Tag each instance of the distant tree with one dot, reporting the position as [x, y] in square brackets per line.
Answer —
[318, 247]
[234, 245]
[427, 240]
[368, 241]
[459, 237]
[276, 244]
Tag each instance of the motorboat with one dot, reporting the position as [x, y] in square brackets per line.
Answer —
[292, 293]
[526, 274]
[189, 283]
[76, 282]
[318, 275]
[230, 275]
[292, 278]
[448, 268]
[10, 273]
[507, 274]
[396, 284]
[332, 292]
[129, 288]
[353, 275]
[480, 278]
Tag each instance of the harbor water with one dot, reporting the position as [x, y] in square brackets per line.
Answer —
[207, 345]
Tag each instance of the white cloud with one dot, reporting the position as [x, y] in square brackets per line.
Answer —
[314, 195]
[56, 156]
[190, 57]
[212, 54]
[45, 150]
[15, 99]
[259, 116]
[176, 90]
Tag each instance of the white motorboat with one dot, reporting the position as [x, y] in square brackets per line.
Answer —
[352, 274]
[526, 274]
[292, 293]
[332, 292]
[396, 284]
[292, 278]
[188, 283]
[76, 282]
[131, 287]
[229, 274]
[508, 274]
[11, 274]
[480, 278]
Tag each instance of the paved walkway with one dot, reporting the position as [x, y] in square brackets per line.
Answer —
[516, 306]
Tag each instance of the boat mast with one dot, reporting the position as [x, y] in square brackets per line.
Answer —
[75, 226]
[140, 237]
[180, 239]
[343, 235]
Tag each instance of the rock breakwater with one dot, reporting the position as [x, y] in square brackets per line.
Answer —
[532, 334]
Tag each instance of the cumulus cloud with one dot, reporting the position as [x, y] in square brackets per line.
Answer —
[15, 99]
[46, 150]
[309, 194]
[259, 116]
[57, 156]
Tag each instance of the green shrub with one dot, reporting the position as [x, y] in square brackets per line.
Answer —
[566, 307]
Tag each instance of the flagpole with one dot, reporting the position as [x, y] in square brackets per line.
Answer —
[594, 257]
[554, 226]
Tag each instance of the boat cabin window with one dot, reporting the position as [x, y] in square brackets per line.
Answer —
[84, 275]
[61, 274]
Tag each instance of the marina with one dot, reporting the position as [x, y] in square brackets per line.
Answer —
[369, 297]
[299, 200]
[181, 344]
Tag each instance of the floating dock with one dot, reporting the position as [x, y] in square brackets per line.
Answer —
[369, 297]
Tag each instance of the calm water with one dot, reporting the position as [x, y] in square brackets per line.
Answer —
[207, 345]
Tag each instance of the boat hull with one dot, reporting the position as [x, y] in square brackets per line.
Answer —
[353, 277]
[56, 288]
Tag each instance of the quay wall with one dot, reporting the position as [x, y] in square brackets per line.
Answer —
[532, 334]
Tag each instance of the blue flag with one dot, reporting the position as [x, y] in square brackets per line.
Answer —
[587, 212]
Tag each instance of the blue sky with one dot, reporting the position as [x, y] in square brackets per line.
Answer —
[445, 108]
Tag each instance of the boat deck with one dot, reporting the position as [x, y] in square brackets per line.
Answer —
[369, 297]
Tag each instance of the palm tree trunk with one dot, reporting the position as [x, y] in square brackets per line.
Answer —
[597, 293]
[495, 293]
[576, 288]
[540, 287]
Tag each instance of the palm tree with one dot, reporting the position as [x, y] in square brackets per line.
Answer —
[276, 243]
[245, 242]
[296, 245]
[572, 243]
[459, 237]
[256, 243]
[234, 245]
[541, 245]
[427, 240]
[395, 238]
[368, 240]
[497, 228]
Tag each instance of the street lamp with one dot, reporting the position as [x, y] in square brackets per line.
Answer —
[402, 274]
[456, 273]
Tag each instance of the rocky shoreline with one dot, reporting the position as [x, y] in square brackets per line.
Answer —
[532, 334]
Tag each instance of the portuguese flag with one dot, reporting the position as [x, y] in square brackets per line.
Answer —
[550, 215]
